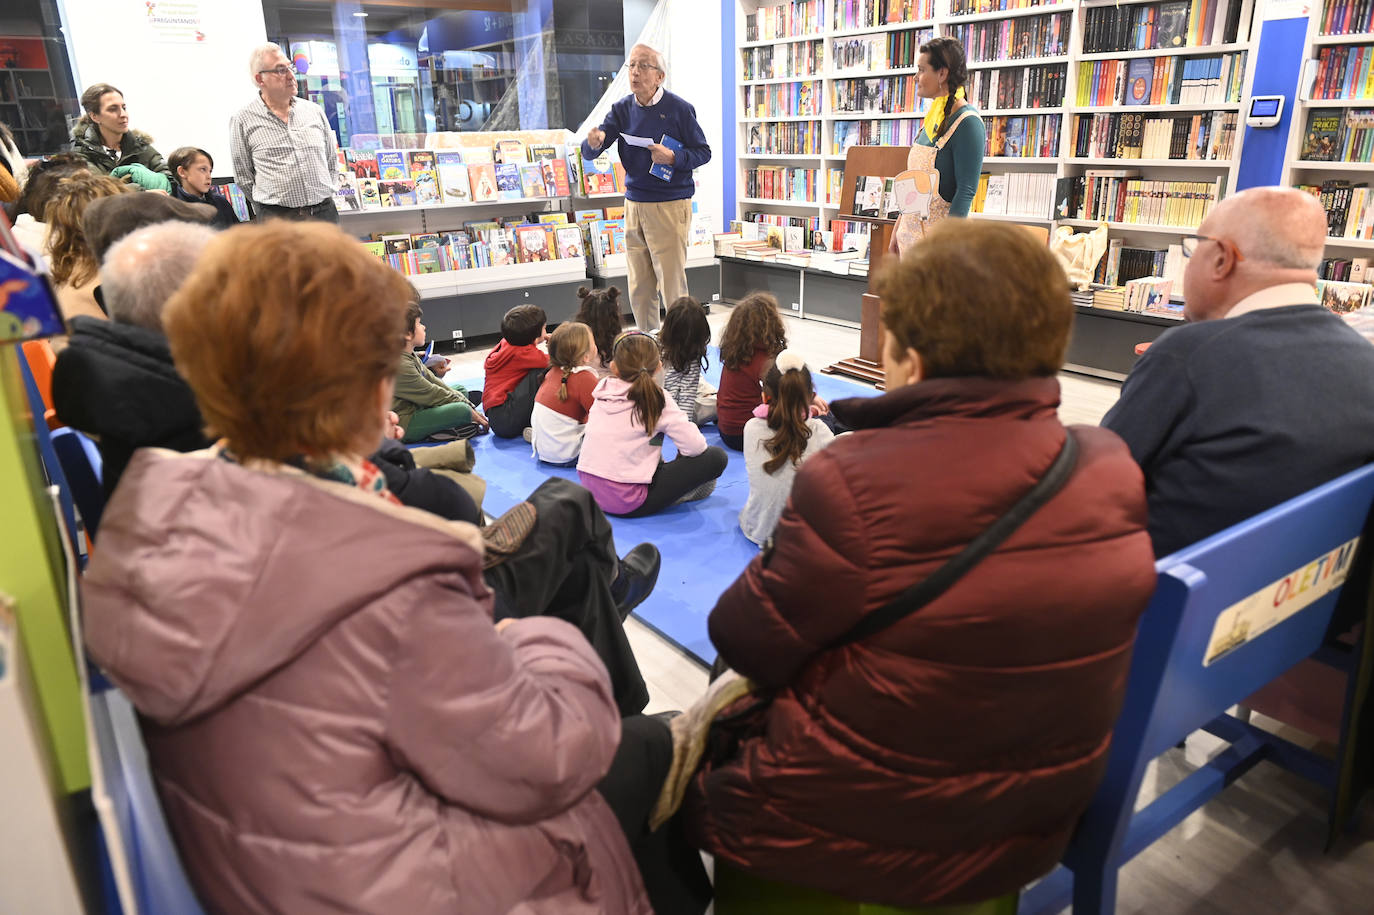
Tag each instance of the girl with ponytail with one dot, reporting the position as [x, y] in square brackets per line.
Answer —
[782, 434]
[620, 464]
[949, 148]
[559, 420]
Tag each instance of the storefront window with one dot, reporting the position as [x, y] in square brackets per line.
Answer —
[383, 71]
[37, 97]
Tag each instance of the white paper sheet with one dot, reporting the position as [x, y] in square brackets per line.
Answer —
[636, 141]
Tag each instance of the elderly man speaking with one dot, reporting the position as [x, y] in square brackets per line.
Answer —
[660, 144]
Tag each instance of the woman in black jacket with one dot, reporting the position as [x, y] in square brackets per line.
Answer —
[191, 182]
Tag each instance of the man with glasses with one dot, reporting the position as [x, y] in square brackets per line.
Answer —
[283, 149]
[1264, 394]
[658, 181]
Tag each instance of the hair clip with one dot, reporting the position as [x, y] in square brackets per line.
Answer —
[789, 360]
[626, 334]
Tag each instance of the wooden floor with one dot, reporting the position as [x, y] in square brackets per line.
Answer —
[1256, 850]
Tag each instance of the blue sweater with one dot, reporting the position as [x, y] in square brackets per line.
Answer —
[1233, 416]
[961, 161]
[672, 116]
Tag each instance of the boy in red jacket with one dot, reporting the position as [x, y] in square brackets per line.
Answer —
[515, 370]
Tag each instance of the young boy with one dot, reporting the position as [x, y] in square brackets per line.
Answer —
[515, 369]
[423, 403]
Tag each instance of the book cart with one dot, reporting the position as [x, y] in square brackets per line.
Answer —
[1330, 142]
[1073, 94]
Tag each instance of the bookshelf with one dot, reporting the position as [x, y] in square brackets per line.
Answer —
[1050, 79]
[1335, 100]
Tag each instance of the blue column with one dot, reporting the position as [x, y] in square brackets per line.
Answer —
[1278, 64]
[355, 71]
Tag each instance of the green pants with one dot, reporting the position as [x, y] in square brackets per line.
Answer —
[429, 420]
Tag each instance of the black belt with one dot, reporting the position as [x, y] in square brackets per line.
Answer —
[295, 211]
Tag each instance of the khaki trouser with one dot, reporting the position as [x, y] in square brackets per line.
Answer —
[656, 252]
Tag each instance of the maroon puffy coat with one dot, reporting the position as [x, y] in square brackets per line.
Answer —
[947, 758]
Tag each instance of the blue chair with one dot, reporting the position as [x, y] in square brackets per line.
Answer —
[81, 465]
[1230, 614]
[52, 467]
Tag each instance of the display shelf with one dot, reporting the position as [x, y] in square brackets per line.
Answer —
[1209, 164]
[1013, 217]
[802, 204]
[770, 42]
[780, 120]
[779, 80]
[809, 157]
[1022, 62]
[1198, 50]
[471, 205]
[1355, 38]
[1021, 160]
[1155, 109]
[1306, 165]
[879, 29]
[1130, 226]
[1042, 10]
[491, 279]
[864, 74]
[1338, 102]
[1022, 112]
[874, 115]
[1363, 243]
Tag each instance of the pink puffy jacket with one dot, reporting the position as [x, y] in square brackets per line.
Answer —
[333, 722]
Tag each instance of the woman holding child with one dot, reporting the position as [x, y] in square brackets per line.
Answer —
[945, 758]
[333, 720]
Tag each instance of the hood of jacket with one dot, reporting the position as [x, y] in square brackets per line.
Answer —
[613, 396]
[118, 381]
[970, 397]
[503, 356]
[211, 576]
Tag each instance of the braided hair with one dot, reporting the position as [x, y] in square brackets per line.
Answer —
[947, 54]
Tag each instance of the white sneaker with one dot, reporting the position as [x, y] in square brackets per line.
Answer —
[529, 434]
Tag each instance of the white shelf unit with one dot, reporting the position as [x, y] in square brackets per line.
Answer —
[1303, 171]
[1063, 165]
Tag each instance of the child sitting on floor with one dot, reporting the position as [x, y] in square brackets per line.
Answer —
[619, 464]
[753, 336]
[560, 407]
[515, 370]
[684, 336]
[781, 435]
[422, 401]
[600, 310]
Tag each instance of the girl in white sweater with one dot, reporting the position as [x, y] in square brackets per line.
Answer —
[782, 434]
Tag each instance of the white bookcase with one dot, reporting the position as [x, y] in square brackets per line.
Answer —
[1301, 171]
[938, 17]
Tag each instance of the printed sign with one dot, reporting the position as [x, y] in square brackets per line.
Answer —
[174, 21]
[1266, 608]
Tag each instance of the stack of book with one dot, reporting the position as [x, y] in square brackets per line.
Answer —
[1081, 298]
[1112, 298]
[427, 177]
[1122, 264]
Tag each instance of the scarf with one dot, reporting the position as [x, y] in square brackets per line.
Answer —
[936, 114]
[350, 471]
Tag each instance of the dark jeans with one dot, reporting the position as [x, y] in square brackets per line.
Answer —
[733, 442]
[324, 211]
[564, 569]
[676, 478]
[670, 867]
[513, 415]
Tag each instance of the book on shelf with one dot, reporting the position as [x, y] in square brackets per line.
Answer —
[1176, 79]
[398, 193]
[785, 20]
[784, 100]
[483, 181]
[1123, 263]
[1201, 136]
[1342, 17]
[599, 175]
[1002, 88]
[550, 219]
[1343, 298]
[971, 7]
[370, 193]
[794, 139]
[1033, 136]
[1338, 135]
[1014, 194]
[868, 195]
[889, 132]
[1341, 72]
[511, 152]
[346, 197]
[453, 176]
[424, 173]
[555, 175]
[1348, 210]
[796, 58]
[392, 165]
[425, 240]
[987, 41]
[531, 179]
[543, 153]
[783, 183]
[1104, 195]
[1150, 295]
[858, 14]
[1171, 24]
[1344, 269]
[886, 51]
[878, 94]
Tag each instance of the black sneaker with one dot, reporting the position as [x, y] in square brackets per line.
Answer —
[636, 579]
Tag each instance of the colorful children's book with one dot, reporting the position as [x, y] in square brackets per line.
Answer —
[581, 216]
[556, 183]
[568, 241]
[1139, 81]
[1323, 136]
[369, 194]
[502, 245]
[377, 248]
[425, 175]
[453, 176]
[553, 219]
[425, 240]
[508, 181]
[346, 195]
[531, 180]
[365, 166]
[599, 175]
[398, 193]
[511, 152]
[538, 153]
[483, 178]
[615, 213]
[392, 165]
[533, 244]
[395, 244]
[427, 260]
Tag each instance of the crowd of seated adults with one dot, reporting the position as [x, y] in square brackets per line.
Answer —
[359, 692]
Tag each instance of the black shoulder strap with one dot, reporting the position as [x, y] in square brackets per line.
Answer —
[926, 590]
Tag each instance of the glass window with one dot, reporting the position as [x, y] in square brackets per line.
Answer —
[383, 70]
[38, 100]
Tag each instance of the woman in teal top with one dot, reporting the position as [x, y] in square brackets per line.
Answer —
[951, 141]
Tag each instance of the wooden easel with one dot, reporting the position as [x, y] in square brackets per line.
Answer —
[884, 162]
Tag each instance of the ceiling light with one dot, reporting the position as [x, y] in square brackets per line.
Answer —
[361, 15]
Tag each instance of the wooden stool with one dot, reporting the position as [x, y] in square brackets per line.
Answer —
[738, 893]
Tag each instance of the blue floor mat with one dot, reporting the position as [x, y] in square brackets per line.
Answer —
[703, 548]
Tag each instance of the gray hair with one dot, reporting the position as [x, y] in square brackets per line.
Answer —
[256, 56]
[659, 60]
[143, 269]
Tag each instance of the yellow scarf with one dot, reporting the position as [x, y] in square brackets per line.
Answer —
[936, 114]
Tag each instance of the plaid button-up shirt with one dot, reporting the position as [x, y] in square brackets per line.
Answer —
[291, 164]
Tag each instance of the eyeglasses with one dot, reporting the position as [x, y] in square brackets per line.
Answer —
[280, 71]
[1189, 245]
[637, 65]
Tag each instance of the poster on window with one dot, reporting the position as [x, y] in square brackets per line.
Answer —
[175, 22]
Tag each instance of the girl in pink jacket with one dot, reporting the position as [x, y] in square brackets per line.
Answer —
[621, 462]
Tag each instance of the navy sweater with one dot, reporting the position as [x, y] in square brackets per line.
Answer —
[672, 116]
[1233, 416]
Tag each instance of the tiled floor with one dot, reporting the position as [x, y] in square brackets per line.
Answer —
[1257, 850]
